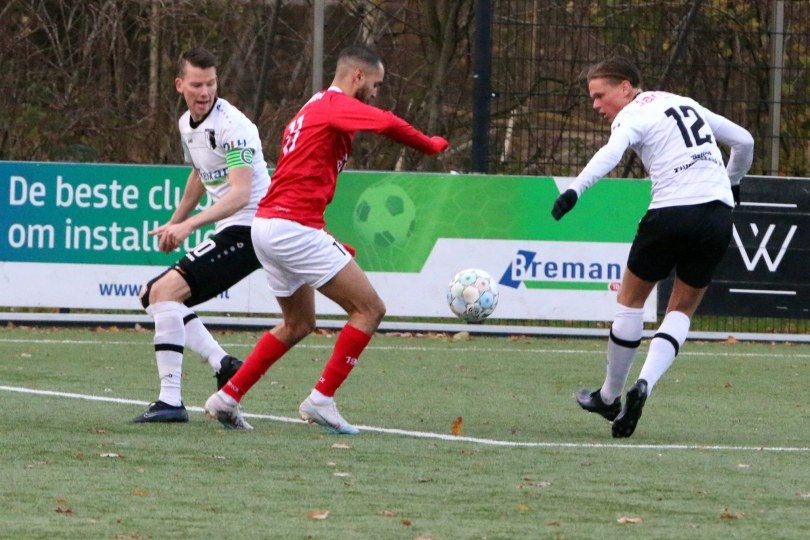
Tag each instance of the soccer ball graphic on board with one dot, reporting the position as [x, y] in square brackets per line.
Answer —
[472, 295]
[385, 215]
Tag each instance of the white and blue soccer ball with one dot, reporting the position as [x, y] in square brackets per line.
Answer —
[472, 295]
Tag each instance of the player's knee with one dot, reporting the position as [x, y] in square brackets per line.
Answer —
[148, 290]
[371, 314]
[378, 311]
[298, 329]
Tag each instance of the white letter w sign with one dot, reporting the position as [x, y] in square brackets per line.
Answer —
[762, 249]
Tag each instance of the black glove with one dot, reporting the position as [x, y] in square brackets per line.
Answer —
[564, 203]
[735, 192]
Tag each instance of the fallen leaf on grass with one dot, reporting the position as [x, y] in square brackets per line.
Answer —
[318, 514]
[732, 339]
[324, 332]
[461, 336]
[341, 474]
[728, 385]
[534, 483]
[63, 510]
[518, 338]
[110, 455]
[140, 493]
[387, 513]
[627, 520]
[803, 495]
[456, 428]
[342, 446]
[523, 508]
[726, 514]
[407, 522]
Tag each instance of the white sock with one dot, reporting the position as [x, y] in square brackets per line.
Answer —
[625, 337]
[664, 347]
[200, 340]
[169, 340]
[319, 399]
[228, 400]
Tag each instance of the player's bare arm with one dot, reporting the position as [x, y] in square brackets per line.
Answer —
[192, 195]
[173, 233]
[240, 180]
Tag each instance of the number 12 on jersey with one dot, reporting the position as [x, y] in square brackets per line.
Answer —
[692, 135]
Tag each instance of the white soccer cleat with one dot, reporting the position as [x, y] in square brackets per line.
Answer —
[229, 416]
[326, 416]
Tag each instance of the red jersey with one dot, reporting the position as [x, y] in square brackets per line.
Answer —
[316, 146]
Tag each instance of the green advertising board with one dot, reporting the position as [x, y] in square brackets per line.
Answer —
[92, 220]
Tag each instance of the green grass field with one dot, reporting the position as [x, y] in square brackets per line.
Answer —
[722, 451]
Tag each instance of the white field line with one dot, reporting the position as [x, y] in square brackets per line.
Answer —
[439, 436]
[454, 349]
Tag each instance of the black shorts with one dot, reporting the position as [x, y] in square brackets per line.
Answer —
[216, 264]
[690, 239]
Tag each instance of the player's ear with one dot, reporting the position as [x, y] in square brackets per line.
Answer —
[178, 85]
[628, 87]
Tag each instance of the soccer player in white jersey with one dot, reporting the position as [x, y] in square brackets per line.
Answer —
[225, 152]
[687, 227]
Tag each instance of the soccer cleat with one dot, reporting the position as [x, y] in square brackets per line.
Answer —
[625, 423]
[159, 411]
[230, 365]
[326, 416]
[229, 416]
[591, 401]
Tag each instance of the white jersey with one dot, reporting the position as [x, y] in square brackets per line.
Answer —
[225, 138]
[676, 139]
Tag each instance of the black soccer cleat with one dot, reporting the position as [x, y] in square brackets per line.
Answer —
[230, 365]
[159, 411]
[625, 423]
[591, 401]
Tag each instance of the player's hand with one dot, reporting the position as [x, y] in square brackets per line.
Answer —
[440, 144]
[564, 203]
[171, 235]
[735, 192]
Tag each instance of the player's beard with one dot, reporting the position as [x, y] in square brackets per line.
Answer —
[362, 95]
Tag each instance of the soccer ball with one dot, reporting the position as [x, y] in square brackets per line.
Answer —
[472, 295]
[385, 215]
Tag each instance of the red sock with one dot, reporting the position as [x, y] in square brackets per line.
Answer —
[350, 343]
[265, 353]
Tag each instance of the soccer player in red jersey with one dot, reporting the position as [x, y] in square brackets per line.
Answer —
[299, 256]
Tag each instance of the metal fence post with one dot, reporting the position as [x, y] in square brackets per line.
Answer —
[482, 93]
[777, 65]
